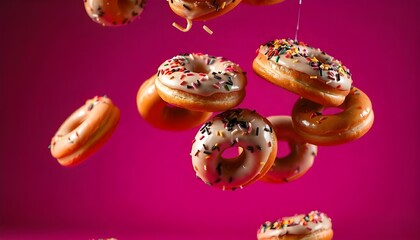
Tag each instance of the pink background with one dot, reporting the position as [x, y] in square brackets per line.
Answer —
[141, 184]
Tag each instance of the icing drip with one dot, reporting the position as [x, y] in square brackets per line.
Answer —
[298, 20]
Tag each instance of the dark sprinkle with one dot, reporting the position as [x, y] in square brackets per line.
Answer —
[250, 148]
[207, 152]
[186, 7]
[219, 169]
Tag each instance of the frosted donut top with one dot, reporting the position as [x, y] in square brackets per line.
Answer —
[298, 224]
[201, 74]
[303, 58]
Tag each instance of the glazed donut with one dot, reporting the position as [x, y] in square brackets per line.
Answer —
[235, 128]
[300, 159]
[200, 82]
[85, 131]
[304, 70]
[317, 128]
[312, 226]
[200, 10]
[262, 2]
[161, 115]
[114, 12]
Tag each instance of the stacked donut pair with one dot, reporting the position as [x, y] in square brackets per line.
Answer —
[187, 88]
[322, 82]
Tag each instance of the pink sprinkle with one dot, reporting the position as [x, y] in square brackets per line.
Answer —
[190, 74]
[216, 86]
[202, 137]
[182, 76]
[182, 83]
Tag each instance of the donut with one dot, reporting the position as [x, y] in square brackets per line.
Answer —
[200, 10]
[303, 70]
[200, 82]
[317, 128]
[298, 161]
[85, 131]
[114, 12]
[312, 226]
[235, 128]
[161, 115]
[262, 2]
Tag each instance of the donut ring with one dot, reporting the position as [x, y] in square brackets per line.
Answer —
[262, 2]
[200, 82]
[200, 10]
[298, 161]
[352, 123]
[304, 70]
[314, 225]
[84, 131]
[160, 115]
[240, 128]
[114, 12]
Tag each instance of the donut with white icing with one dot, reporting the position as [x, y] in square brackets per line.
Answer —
[200, 10]
[298, 161]
[114, 12]
[200, 82]
[85, 131]
[236, 128]
[316, 127]
[262, 2]
[312, 226]
[304, 70]
[160, 114]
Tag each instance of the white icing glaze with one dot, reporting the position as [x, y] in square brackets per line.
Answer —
[298, 161]
[197, 8]
[295, 225]
[201, 74]
[311, 61]
[233, 128]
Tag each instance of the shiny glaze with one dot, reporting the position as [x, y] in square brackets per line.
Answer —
[321, 129]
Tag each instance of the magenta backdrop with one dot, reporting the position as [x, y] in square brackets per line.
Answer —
[141, 184]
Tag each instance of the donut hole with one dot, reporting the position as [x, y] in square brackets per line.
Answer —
[200, 68]
[232, 153]
[73, 125]
[332, 111]
[283, 149]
